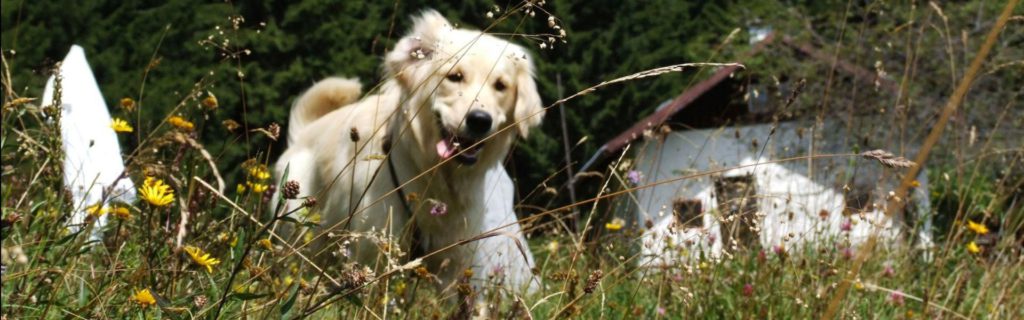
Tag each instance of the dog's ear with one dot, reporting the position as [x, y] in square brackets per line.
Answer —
[529, 112]
[418, 45]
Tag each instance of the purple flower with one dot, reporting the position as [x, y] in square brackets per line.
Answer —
[748, 290]
[846, 226]
[661, 311]
[896, 297]
[438, 208]
[779, 250]
[634, 177]
[889, 271]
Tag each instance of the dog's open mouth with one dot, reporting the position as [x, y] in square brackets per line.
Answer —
[464, 149]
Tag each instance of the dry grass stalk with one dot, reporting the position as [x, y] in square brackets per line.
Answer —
[888, 159]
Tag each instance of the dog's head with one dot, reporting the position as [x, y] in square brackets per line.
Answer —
[470, 85]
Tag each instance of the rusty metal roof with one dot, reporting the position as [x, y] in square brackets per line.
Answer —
[660, 116]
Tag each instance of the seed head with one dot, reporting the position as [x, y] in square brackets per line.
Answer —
[291, 189]
[274, 130]
[200, 301]
[593, 281]
[309, 202]
[888, 159]
[353, 134]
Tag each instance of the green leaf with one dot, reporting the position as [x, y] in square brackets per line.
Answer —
[68, 237]
[164, 305]
[240, 245]
[288, 303]
[248, 295]
[291, 219]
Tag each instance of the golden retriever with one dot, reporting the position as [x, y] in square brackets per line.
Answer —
[439, 128]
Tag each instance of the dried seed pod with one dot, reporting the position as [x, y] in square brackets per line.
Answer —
[291, 189]
[310, 202]
[593, 281]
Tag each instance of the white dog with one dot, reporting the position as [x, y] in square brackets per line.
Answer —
[444, 117]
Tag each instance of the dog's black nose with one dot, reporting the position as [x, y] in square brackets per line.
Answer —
[478, 123]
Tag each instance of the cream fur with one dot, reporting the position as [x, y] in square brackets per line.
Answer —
[409, 111]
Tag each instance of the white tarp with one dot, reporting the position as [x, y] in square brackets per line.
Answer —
[796, 203]
[92, 155]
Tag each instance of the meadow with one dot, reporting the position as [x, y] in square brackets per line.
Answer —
[202, 242]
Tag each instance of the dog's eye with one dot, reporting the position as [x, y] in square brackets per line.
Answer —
[499, 85]
[454, 77]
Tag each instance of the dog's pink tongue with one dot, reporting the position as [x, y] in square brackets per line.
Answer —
[445, 149]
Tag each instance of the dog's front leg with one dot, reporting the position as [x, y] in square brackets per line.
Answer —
[505, 255]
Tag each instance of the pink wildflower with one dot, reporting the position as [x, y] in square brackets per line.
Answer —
[438, 208]
[780, 250]
[847, 253]
[748, 290]
[896, 297]
[634, 177]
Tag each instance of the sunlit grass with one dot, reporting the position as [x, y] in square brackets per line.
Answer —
[192, 248]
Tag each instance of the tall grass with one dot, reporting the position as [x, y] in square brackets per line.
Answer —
[51, 272]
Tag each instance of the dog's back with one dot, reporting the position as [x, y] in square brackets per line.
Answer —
[325, 96]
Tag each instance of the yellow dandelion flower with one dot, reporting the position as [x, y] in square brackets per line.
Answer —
[210, 102]
[144, 298]
[119, 125]
[156, 192]
[978, 228]
[307, 238]
[973, 248]
[201, 258]
[181, 123]
[266, 244]
[400, 288]
[121, 212]
[257, 187]
[615, 225]
[915, 183]
[858, 285]
[97, 211]
[240, 188]
[553, 246]
[259, 172]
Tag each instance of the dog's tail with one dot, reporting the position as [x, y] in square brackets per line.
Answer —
[323, 97]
